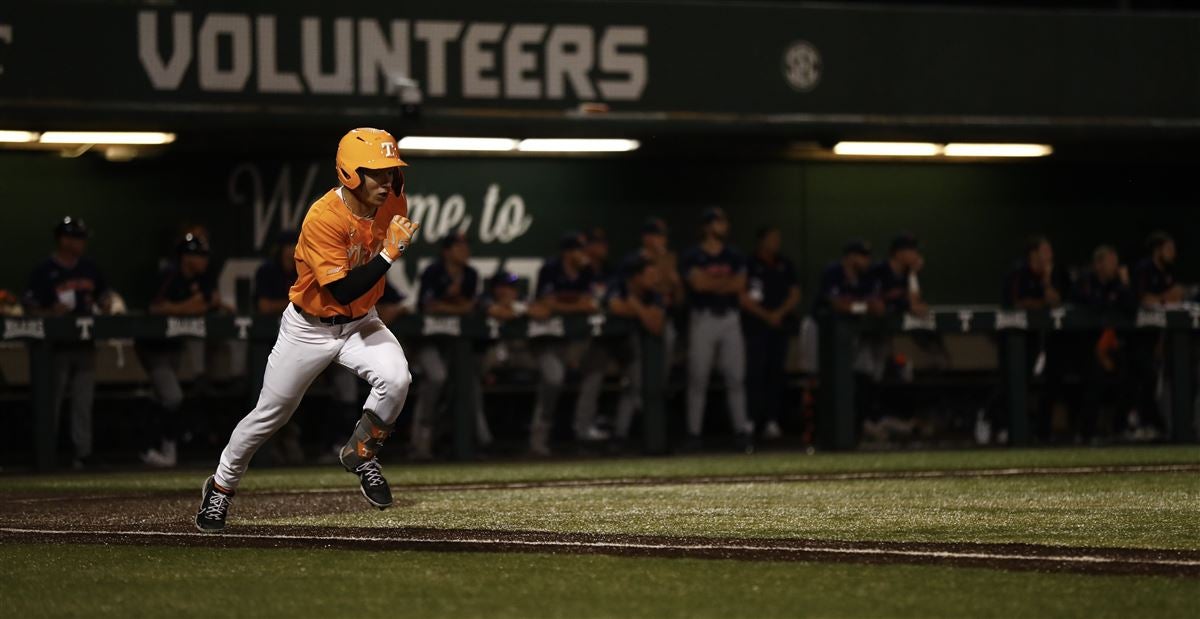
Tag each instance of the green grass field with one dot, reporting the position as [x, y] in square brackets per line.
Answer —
[1074, 509]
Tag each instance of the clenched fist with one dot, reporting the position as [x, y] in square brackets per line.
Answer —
[400, 233]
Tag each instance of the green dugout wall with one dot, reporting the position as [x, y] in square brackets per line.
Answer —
[972, 218]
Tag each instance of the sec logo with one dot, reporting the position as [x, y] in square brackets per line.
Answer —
[802, 66]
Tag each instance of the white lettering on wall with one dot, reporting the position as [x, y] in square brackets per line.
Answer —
[290, 210]
[436, 35]
[520, 62]
[235, 29]
[568, 58]
[165, 75]
[494, 60]
[379, 56]
[270, 78]
[510, 223]
[341, 80]
[479, 60]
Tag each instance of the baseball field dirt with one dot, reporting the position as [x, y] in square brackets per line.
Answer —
[1108, 532]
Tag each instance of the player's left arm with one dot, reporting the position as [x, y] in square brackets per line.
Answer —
[359, 280]
[792, 300]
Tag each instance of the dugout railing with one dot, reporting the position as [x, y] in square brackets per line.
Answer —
[45, 336]
[1015, 331]
[837, 423]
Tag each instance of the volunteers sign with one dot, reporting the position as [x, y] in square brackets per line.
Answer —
[308, 61]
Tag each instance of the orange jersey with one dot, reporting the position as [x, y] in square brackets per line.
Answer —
[332, 241]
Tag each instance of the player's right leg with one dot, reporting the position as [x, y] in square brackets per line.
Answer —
[433, 381]
[373, 352]
[731, 359]
[302, 351]
[702, 342]
[630, 400]
[595, 362]
[552, 367]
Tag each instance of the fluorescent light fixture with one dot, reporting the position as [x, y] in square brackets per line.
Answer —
[107, 137]
[461, 144]
[18, 136]
[539, 145]
[887, 149]
[997, 150]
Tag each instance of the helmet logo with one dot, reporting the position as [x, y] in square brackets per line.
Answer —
[389, 149]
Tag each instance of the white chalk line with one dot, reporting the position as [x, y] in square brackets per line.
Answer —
[779, 478]
[703, 480]
[924, 554]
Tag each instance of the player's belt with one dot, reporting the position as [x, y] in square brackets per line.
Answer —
[330, 320]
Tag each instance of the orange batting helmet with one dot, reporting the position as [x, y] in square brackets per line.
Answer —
[373, 149]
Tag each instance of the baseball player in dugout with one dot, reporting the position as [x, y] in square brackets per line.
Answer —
[448, 288]
[715, 274]
[186, 288]
[770, 297]
[70, 283]
[349, 239]
[564, 286]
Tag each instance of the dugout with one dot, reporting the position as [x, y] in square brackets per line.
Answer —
[742, 108]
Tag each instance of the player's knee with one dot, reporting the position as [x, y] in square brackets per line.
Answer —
[171, 400]
[400, 381]
[554, 375]
[435, 377]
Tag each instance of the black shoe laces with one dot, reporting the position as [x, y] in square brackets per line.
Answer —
[216, 506]
[371, 473]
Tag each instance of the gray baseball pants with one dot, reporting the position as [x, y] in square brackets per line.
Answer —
[716, 338]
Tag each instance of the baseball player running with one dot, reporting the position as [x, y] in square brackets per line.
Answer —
[349, 238]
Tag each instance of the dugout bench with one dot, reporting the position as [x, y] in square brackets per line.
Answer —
[43, 336]
[838, 421]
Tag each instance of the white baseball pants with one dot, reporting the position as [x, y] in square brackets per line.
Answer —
[304, 348]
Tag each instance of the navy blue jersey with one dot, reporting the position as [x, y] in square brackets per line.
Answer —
[271, 282]
[602, 278]
[619, 289]
[390, 294]
[888, 286]
[1104, 295]
[553, 279]
[1022, 284]
[438, 284]
[836, 284]
[769, 283]
[77, 287]
[1149, 279]
[176, 288]
[727, 261]
[665, 286]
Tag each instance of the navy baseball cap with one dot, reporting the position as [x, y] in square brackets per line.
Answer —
[571, 240]
[504, 278]
[654, 225]
[904, 240]
[72, 227]
[452, 239]
[596, 235]
[712, 214]
[856, 246]
[192, 245]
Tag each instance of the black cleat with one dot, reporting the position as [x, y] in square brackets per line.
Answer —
[214, 507]
[374, 487]
[744, 442]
